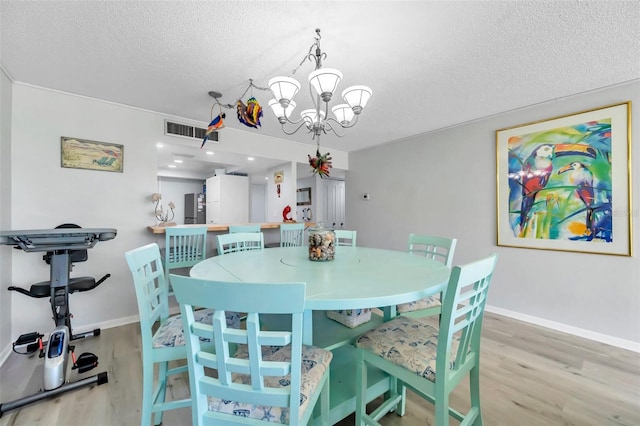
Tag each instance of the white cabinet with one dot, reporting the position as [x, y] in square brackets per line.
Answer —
[228, 199]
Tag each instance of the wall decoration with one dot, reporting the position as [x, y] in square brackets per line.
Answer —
[565, 183]
[278, 177]
[91, 155]
[303, 197]
[286, 215]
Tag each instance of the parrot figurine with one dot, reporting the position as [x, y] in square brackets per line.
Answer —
[216, 123]
[582, 178]
[535, 174]
[249, 114]
[320, 163]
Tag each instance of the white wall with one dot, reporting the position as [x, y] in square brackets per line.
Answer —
[5, 211]
[258, 204]
[444, 183]
[45, 195]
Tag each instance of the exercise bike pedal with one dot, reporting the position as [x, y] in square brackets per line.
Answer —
[28, 338]
[28, 343]
[85, 362]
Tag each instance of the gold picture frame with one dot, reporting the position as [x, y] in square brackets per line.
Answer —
[565, 183]
[91, 155]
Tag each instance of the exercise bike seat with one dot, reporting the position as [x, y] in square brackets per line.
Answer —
[43, 289]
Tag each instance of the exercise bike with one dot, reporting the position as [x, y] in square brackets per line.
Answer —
[63, 246]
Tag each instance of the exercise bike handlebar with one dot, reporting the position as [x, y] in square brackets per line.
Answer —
[34, 240]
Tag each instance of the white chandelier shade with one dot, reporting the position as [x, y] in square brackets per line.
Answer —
[279, 111]
[344, 113]
[325, 81]
[284, 89]
[357, 97]
[310, 116]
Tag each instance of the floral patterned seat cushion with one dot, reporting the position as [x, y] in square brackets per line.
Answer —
[170, 333]
[407, 342]
[315, 362]
[427, 302]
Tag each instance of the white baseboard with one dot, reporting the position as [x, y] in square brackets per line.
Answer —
[5, 354]
[564, 328]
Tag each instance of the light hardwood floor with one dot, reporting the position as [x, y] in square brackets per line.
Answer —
[529, 376]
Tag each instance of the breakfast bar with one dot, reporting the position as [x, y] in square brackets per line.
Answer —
[269, 229]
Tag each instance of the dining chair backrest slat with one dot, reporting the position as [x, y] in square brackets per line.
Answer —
[345, 237]
[241, 241]
[291, 234]
[433, 247]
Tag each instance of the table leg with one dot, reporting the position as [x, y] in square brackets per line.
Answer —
[307, 327]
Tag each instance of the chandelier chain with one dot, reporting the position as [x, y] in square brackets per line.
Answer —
[317, 56]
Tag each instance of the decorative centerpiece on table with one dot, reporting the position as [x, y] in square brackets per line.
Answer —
[321, 243]
[164, 217]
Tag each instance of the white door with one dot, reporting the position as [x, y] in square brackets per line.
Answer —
[334, 201]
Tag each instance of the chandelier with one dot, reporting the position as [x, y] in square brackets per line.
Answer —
[323, 82]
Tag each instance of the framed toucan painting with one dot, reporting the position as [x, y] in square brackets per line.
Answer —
[565, 183]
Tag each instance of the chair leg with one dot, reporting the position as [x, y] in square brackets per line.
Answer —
[163, 367]
[474, 387]
[147, 394]
[442, 406]
[361, 390]
[401, 389]
[325, 407]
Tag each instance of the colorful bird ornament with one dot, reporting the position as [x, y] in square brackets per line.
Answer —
[320, 163]
[216, 124]
[249, 114]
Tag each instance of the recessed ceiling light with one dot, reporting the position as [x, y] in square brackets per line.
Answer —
[266, 178]
[172, 166]
[250, 158]
[177, 161]
[209, 152]
[159, 145]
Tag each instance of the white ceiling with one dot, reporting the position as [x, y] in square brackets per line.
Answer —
[431, 64]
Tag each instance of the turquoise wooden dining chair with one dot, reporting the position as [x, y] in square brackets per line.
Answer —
[431, 359]
[291, 234]
[240, 241]
[162, 335]
[345, 237]
[272, 377]
[234, 229]
[184, 247]
[431, 247]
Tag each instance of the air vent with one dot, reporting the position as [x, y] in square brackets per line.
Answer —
[187, 131]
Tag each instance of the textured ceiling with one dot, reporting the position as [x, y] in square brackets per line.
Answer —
[430, 64]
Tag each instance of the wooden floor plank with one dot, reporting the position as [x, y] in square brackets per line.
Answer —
[529, 376]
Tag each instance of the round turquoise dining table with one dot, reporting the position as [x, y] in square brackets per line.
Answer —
[358, 277]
